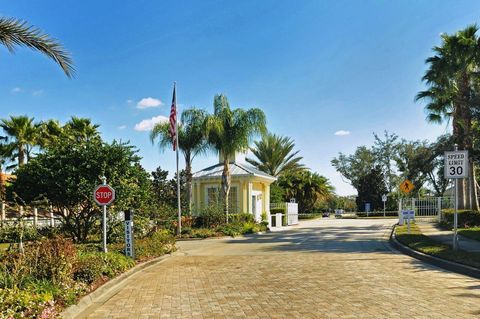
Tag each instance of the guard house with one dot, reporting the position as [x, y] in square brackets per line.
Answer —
[249, 191]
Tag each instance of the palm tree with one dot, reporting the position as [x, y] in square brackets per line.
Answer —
[191, 141]
[15, 32]
[81, 129]
[451, 94]
[50, 132]
[306, 187]
[24, 133]
[274, 155]
[231, 131]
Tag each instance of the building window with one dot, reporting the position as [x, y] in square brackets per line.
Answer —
[214, 196]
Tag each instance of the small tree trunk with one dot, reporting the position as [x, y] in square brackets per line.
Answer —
[226, 185]
[21, 154]
[188, 178]
[473, 187]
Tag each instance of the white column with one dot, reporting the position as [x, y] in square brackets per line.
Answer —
[4, 217]
[439, 208]
[35, 217]
[249, 197]
[52, 219]
[267, 201]
[21, 211]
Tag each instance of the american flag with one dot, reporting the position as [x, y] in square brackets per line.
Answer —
[173, 120]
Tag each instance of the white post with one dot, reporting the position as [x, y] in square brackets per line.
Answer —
[408, 224]
[104, 221]
[4, 217]
[455, 215]
[35, 217]
[439, 208]
[21, 211]
[384, 209]
[413, 204]
[52, 219]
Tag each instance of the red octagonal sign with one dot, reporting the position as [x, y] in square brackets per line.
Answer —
[104, 195]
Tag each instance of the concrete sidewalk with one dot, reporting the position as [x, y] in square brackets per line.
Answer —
[446, 237]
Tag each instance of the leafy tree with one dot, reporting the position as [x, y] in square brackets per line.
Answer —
[23, 133]
[452, 94]
[165, 190]
[385, 151]
[191, 142]
[67, 172]
[371, 188]
[356, 166]
[275, 156]
[230, 131]
[15, 32]
[307, 188]
[50, 132]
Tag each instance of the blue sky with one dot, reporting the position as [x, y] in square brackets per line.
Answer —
[314, 67]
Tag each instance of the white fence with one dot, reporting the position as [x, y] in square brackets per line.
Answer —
[426, 207]
[290, 210]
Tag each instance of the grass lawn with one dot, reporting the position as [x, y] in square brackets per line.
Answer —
[4, 246]
[472, 233]
[416, 240]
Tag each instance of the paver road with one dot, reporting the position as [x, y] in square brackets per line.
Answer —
[321, 269]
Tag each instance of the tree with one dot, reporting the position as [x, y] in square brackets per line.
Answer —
[81, 129]
[356, 166]
[306, 187]
[385, 151]
[15, 32]
[50, 132]
[67, 172]
[274, 155]
[23, 133]
[452, 93]
[191, 142]
[230, 131]
[371, 187]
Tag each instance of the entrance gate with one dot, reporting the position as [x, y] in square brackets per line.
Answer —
[426, 207]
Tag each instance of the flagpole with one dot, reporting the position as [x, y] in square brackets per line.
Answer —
[179, 229]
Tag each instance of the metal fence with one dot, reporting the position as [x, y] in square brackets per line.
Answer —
[426, 207]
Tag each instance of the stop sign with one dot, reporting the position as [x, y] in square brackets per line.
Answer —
[104, 195]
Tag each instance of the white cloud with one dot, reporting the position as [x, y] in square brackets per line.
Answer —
[129, 101]
[342, 133]
[122, 127]
[148, 102]
[37, 92]
[16, 90]
[148, 124]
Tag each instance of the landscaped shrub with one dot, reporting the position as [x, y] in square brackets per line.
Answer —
[159, 243]
[51, 259]
[92, 266]
[241, 218]
[211, 216]
[16, 303]
[466, 218]
[203, 233]
[232, 229]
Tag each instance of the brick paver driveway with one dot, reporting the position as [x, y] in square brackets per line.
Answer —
[322, 269]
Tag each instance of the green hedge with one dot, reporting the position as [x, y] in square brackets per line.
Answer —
[466, 218]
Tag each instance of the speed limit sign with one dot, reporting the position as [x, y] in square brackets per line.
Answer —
[456, 164]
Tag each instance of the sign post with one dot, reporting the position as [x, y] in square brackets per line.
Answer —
[104, 195]
[129, 251]
[456, 166]
[384, 200]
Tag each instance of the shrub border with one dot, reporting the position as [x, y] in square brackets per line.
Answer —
[100, 295]
[432, 260]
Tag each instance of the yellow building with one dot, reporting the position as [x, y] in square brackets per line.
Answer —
[249, 191]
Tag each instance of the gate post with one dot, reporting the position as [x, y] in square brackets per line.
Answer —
[439, 208]
[413, 204]
[35, 217]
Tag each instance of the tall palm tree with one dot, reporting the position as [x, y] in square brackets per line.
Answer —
[451, 94]
[50, 132]
[15, 32]
[23, 134]
[231, 131]
[81, 129]
[274, 155]
[191, 141]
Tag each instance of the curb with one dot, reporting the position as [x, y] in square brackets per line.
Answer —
[435, 261]
[104, 292]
